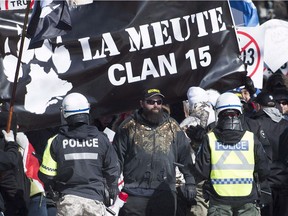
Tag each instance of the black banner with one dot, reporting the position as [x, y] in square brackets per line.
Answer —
[115, 50]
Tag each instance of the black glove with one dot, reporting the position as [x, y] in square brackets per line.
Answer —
[196, 133]
[54, 195]
[206, 187]
[113, 192]
[249, 85]
[189, 192]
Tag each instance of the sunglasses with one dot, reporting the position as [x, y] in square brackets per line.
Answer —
[152, 102]
[283, 102]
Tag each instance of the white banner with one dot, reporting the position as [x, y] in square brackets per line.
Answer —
[276, 43]
[252, 52]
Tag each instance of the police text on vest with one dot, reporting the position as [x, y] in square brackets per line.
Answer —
[240, 146]
[80, 143]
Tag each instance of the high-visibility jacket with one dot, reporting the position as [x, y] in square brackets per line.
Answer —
[232, 166]
[49, 165]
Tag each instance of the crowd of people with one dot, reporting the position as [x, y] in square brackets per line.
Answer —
[225, 154]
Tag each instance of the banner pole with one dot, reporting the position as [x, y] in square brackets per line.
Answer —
[12, 100]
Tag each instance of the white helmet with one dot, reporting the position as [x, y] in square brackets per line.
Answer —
[75, 103]
[226, 101]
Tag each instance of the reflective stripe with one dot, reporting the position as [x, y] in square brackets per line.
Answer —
[221, 162]
[232, 181]
[81, 156]
[229, 106]
[76, 111]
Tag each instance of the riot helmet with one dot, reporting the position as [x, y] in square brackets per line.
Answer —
[75, 109]
[228, 110]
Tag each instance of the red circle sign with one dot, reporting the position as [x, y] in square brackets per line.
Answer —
[251, 42]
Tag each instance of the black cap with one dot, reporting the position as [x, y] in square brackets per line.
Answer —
[152, 92]
[280, 94]
[265, 99]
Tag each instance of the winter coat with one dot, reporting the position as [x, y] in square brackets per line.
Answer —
[148, 154]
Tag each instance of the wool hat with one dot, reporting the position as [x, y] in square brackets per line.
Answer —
[212, 96]
[196, 94]
[281, 94]
[148, 93]
[265, 99]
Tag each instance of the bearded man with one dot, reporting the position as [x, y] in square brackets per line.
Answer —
[150, 144]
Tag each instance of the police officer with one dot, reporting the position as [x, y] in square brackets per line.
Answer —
[228, 158]
[79, 161]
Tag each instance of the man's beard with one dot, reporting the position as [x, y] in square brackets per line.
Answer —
[153, 117]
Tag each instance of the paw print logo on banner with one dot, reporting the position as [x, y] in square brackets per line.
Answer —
[44, 88]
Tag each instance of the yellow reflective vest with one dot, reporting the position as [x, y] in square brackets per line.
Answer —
[232, 166]
[49, 165]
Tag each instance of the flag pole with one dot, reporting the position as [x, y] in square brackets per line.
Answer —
[12, 100]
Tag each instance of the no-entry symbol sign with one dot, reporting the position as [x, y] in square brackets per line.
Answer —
[251, 53]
